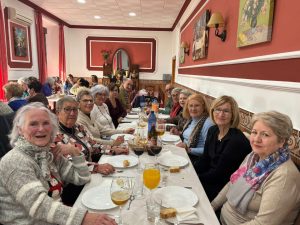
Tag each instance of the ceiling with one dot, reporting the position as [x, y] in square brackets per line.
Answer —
[114, 13]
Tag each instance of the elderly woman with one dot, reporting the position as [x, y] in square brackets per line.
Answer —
[266, 187]
[86, 104]
[33, 173]
[71, 132]
[176, 108]
[13, 93]
[23, 81]
[178, 120]
[35, 95]
[225, 147]
[115, 107]
[195, 130]
[100, 112]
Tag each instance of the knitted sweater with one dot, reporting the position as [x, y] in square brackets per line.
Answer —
[24, 190]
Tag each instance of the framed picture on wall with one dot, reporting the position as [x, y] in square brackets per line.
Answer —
[255, 22]
[200, 38]
[18, 44]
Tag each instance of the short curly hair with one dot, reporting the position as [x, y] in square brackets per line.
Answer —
[14, 89]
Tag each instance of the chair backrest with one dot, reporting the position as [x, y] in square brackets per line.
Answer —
[6, 122]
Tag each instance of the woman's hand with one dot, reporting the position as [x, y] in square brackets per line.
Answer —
[104, 169]
[175, 131]
[119, 140]
[120, 119]
[120, 150]
[97, 219]
[129, 131]
[181, 144]
[64, 150]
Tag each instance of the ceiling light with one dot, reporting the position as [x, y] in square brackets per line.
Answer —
[97, 17]
[81, 1]
[132, 14]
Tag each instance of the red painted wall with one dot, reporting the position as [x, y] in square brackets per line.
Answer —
[141, 51]
[285, 38]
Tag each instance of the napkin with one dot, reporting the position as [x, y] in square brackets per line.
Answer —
[187, 214]
[167, 154]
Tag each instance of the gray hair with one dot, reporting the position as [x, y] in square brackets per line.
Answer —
[81, 92]
[22, 80]
[19, 121]
[60, 103]
[99, 89]
[185, 92]
[50, 80]
[176, 90]
[279, 123]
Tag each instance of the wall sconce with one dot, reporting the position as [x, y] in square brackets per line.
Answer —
[216, 21]
[186, 47]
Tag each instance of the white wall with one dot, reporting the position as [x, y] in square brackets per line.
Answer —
[15, 73]
[252, 95]
[76, 50]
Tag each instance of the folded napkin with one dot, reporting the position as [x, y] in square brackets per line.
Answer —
[167, 154]
[187, 214]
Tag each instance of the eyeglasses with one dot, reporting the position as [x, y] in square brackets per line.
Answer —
[68, 110]
[225, 111]
[174, 95]
[87, 101]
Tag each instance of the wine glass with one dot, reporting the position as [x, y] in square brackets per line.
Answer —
[151, 176]
[120, 191]
[160, 128]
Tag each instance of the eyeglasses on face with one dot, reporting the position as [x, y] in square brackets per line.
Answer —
[69, 109]
[87, 101]
[219, 111]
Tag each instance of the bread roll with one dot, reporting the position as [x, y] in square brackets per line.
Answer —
[126, 163]
[174, 169]
[167, 213]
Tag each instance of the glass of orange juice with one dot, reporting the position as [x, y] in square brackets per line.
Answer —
[151, 177]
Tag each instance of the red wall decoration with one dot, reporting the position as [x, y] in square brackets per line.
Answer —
[285, 39]
[141, 51]
[18, 43]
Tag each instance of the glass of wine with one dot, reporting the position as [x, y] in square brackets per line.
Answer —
[120, 191]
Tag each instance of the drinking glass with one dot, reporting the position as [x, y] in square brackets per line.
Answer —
[120, 191]
[160, 128]
[151, 176]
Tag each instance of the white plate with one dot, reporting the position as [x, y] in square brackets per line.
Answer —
[170, 138]
[175, 197]
[136, 109]
[163, 116]
[126, 136]
[98, 197]
[117, 161]
[132, 116]
[172, 160]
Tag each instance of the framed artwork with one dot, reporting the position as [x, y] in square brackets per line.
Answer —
[18, 44]
[255, 22]
[200, 38]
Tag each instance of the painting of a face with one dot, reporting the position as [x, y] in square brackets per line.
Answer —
[20, 42]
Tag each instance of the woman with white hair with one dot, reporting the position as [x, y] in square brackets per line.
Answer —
[100, 112]
[33, 173]
[23, 81]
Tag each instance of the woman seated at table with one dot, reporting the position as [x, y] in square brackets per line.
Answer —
[33, 173]
[115, 107]
[70, 132]
[176, 108]
[13, 93]
[195, 130]
[100, 112]
[178, 120]
[225, 147]
[86, 104]
[266, 187]
[81, 82]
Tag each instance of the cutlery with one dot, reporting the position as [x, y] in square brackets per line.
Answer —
[132, 197]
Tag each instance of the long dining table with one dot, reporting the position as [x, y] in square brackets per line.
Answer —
[137, 214]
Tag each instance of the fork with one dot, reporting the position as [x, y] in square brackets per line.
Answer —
[132, 197]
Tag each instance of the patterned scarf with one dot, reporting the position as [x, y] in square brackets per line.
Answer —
[41, 155]
[195, 135]
[176, 108]
[248, 178]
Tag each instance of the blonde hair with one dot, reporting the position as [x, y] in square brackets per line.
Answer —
[14, 89]
[199, 98]
[235, 119]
